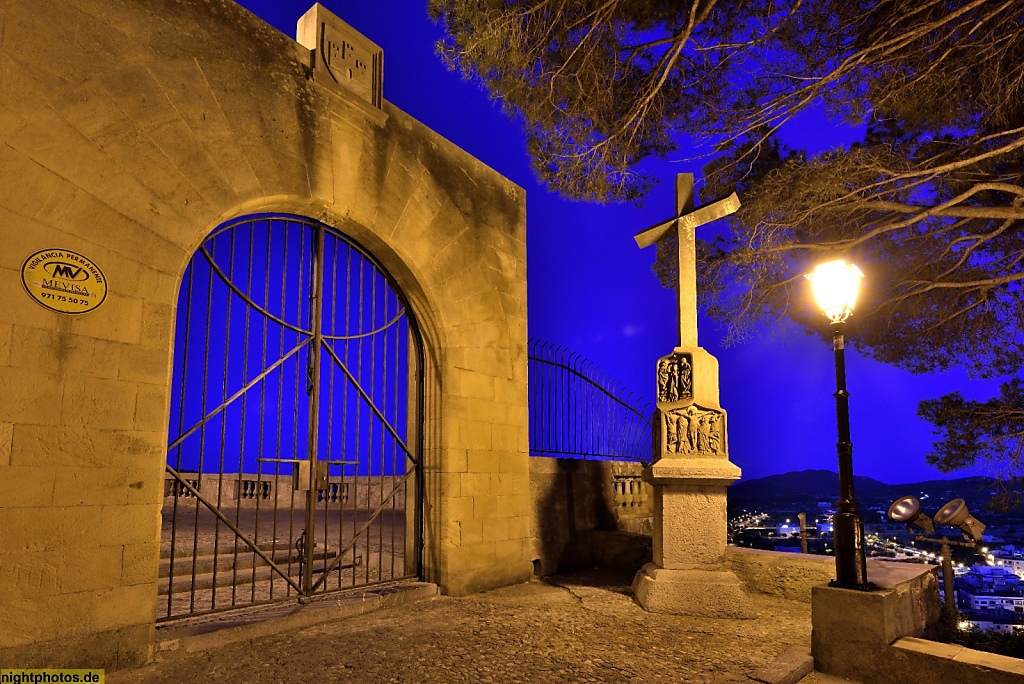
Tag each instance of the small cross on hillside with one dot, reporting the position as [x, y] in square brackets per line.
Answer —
[686, 220]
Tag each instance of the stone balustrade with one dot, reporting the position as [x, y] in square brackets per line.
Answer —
[250, 490]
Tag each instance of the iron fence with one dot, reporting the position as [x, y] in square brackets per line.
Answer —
[578, 411]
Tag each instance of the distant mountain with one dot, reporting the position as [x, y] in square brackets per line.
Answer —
[823, 485]
[803, 484]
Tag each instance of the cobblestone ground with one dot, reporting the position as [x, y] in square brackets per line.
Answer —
[572, 628]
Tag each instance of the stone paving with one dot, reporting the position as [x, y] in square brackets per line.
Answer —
[582, 627]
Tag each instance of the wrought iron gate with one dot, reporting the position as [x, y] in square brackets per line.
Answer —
[296, 413]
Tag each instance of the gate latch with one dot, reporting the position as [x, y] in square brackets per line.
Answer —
[300, 476]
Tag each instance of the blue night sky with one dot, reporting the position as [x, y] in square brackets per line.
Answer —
[591, 289]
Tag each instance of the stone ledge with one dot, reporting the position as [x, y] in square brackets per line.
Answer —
[957, 654]
[692, 471]
[789, 667]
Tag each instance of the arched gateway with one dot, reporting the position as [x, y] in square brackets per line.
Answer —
[176, 181]
[294, 453]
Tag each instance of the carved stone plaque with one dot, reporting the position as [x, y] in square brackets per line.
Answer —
[694, 431]
[675, 377]
[344, 57]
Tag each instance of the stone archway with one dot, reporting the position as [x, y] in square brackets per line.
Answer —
[294, 462]
[128, 131]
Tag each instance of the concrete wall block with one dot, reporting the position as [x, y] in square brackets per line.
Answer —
[32, 190]
[6, 343]
[62, 27]
[418, 215]
[482, 460]
[184, 84]
[118, 319]
[455, 461]
[463, 383]
[92, 569]
[6, 443]
[510, 392]
[157, 318]
[26, 486]
[60, 352]
[138, 93]
[126, 525]
[510, 438]
[346, 155]
[139, 563]
[31, 575]
[22, 87]
[98, 403]
[459, 507]
[512, 462]
[496, 529]
[48, 528]
[124, 606]
[515, 483]
[472, 532]
[76, 446]
[263, 119]
[23, 621]
[145, 484]
[144, 365]
[77, 486]
[450, 483]
[52, 143]
[29, 396]
[477, 483]
[97, 115]
[485, 507]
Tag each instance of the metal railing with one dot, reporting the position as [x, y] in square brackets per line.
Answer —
[578, 411]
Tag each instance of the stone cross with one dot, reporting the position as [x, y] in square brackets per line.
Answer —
[685, 222]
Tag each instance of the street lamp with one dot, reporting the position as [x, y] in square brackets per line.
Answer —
[835, 286]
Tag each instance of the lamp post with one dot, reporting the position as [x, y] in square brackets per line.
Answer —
[835, 286]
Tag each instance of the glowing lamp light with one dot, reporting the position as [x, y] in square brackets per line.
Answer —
[835, 285]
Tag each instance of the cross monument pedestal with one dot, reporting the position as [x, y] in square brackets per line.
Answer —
[691, 470]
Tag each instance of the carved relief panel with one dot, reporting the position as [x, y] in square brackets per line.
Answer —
[344, 57]
[675, 377]
[694, 431]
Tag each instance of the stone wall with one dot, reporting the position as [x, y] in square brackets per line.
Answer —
[574, 499]
[791, 576]
[129, 130]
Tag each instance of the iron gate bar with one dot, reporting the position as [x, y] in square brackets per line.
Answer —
[241, 447]
[237, 394]
[199, 497]
[369, 401]
[181, 419]
[312, 389]
[316, 259]
[382, 328]
[370, 521]
[248, 300]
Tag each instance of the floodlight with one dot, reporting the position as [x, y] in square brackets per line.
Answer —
[907, 510]
[955, 514]
[835, 285]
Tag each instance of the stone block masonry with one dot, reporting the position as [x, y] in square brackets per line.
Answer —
[128, 132]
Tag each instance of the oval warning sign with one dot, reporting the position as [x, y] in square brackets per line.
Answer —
[64, 281]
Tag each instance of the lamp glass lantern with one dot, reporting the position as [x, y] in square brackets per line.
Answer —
[835, 285]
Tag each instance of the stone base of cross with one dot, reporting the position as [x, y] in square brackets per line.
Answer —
[691, 470]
